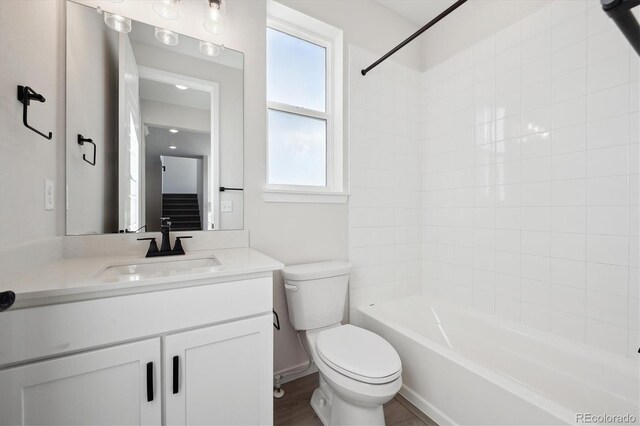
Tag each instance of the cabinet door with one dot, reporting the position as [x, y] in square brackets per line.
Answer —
[103, 387]
[220, 375]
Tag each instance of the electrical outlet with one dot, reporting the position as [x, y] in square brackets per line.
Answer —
[49, 194]
[226, 206]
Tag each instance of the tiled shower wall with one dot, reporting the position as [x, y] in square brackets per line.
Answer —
[530, 178]
[385, 202]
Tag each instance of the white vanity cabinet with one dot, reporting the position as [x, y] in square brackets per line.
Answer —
[235, 389]
[102, 387]
[200, 354]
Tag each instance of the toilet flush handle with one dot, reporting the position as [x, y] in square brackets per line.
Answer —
[290, 287]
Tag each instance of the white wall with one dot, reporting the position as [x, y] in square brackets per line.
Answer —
[531, 176]
[32, 39]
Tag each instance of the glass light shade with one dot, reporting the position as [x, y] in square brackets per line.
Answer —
[215, 17]
[209, 49]
[168, 9]
[166, 37]
[117, 23]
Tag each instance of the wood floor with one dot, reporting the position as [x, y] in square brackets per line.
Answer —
[294, 409]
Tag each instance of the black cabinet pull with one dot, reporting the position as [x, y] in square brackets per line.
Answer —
[176, 366]
[150, 381]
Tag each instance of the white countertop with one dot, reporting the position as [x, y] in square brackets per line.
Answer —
[79, 278]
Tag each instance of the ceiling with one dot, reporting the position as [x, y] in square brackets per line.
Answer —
[417, 11]
[169, 94]
[187, 143]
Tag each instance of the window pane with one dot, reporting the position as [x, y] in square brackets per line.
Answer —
[297, 149]
[295, 71]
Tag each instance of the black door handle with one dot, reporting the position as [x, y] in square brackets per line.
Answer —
[176, 367]
[149, 381]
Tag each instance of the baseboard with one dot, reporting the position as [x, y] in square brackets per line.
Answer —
[292, 373]
[435, 416]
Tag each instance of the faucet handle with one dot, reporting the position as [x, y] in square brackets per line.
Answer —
[177, 248]
[153, 246]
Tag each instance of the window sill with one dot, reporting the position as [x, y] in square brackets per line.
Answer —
[293, 196]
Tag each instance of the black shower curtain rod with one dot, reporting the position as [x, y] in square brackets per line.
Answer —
[414, 35]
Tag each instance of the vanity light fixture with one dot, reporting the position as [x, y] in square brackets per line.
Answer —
[181, 87]
[210, 49]
[117, 23]
[215, 16]
[172, 147]
[173, 130]
[167, 37]
[168, 9]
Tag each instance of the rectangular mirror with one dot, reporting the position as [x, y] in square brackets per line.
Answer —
[154, 129]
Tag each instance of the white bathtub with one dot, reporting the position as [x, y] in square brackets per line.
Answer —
[464, 367]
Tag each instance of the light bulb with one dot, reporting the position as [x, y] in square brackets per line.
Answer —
[173, 130]
[215, 17]
[166, 37]
[181, 87]
[117, 23]
[172, 147]
[168, 9]
[209, 49]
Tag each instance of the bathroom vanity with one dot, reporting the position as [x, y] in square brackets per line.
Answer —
[128, 340]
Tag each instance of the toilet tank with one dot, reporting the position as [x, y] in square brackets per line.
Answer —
[316, 293]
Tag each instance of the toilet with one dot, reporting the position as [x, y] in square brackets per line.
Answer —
[359, 370]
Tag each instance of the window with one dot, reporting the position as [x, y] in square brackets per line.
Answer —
[304, 108]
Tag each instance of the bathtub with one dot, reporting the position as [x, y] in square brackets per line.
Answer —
[464, 367]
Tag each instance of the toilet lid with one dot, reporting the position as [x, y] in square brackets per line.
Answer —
[359, 354]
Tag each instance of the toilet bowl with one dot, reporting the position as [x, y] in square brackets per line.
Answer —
[359, 370]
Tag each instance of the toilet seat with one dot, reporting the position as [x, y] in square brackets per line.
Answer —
[359, 354]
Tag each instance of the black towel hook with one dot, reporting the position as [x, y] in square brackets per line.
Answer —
[81, 141]
[25, 95]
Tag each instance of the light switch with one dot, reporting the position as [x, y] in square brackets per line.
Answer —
[226, 206]
[49, 194]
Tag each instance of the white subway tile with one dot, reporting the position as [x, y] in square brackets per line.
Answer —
[570, 31]
[568, 246]
[568, 139]
[568, 272]
[535, 218]
[536, 267]
[570, 85]
[535, 243]
[569, 166]
[608, 73]
[610, 279]
[569, 112]
[608, 132]
[568, 299]
[608, 220]
[568, 219]
[568, 192]
[507, 307]
[568, 59]
[612, 250]
[607, 308]
[608, 161]
[607, 103]
[535, 315]
[568, 325]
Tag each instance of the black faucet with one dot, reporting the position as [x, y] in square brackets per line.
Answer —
[165, 246]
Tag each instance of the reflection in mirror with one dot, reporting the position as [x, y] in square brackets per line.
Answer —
[166, 114]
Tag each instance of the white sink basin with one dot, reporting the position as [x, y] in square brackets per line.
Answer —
[158, 267]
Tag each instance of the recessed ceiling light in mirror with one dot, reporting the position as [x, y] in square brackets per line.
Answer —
[181, 87]
[172, 147]
[173, 130]
[209, 49]
[166, 37]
